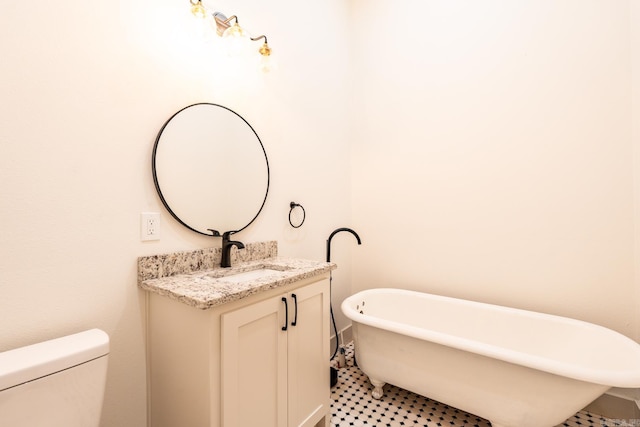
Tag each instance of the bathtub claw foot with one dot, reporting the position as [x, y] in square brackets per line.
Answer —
[378, 390]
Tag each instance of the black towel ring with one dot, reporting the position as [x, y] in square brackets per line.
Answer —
[294, 205]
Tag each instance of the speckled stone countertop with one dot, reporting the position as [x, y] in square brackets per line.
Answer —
[196, 278]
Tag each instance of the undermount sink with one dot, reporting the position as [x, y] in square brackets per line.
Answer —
[250, 275]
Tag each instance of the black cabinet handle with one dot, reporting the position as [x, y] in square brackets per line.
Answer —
[286, 314]
[295, 316]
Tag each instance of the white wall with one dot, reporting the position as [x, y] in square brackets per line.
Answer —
[85, 88]
[635, 129]
[493, 146]
[493, 155]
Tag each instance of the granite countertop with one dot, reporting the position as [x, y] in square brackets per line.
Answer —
[216, 286]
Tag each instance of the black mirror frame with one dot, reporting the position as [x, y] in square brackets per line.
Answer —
[214, 232]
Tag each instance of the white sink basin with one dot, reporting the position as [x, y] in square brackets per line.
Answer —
[250, 275]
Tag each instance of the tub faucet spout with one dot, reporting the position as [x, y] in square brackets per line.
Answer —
[336, 231]
[226, 248]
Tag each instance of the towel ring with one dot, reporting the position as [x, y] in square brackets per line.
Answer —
[294, 205]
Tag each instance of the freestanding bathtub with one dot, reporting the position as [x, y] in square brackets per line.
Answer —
[515, 368]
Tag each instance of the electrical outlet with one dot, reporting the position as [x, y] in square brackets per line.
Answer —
[149, 226]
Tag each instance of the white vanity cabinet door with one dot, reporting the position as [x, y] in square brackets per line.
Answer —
[273, 377]
[308, 356]
[254, 373]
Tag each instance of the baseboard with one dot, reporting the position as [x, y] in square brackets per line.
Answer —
[619, 404]
[626, 393]
[347, 335]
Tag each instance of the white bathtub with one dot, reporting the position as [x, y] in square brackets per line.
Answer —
[515, 368]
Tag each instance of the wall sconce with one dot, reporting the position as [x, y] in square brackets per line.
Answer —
[266, 64]
[235, 37]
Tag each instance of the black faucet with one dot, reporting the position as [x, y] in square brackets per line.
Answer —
[226, 248]
[333, 378]
[336, 231]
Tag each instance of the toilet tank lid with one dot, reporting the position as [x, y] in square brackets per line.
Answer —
[29, 363]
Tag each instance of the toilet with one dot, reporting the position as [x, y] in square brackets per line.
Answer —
[56, 383]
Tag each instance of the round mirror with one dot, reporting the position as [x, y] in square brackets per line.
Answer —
[210, 169]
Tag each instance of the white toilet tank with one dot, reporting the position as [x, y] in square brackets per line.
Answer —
[56, 383]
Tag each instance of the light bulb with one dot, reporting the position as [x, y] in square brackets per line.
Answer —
[198, 10]
[235, 31]
[236, 39]
[267, 62]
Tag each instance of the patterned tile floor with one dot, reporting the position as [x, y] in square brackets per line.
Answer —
[352, 405]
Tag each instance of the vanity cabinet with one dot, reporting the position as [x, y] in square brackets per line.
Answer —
[274, 353]
[259, 361]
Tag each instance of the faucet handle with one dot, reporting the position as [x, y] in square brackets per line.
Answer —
[226, 236]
